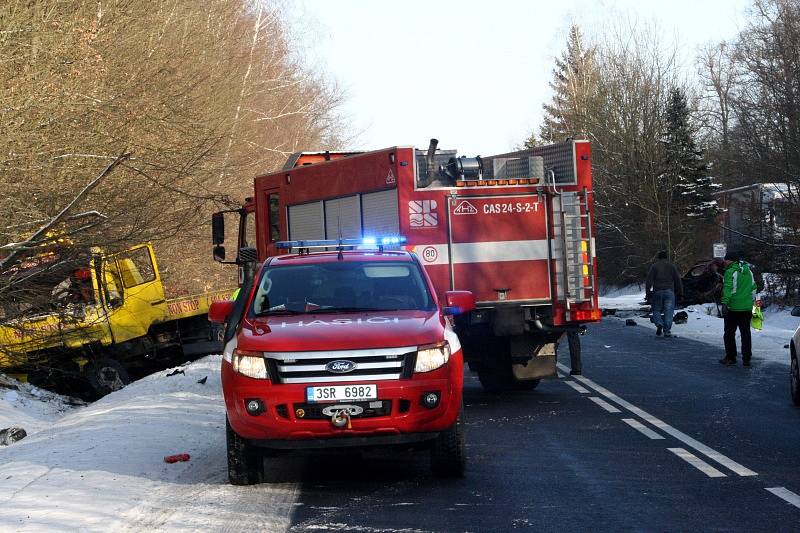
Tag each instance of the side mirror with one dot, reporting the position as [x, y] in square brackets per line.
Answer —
[218, 228]
[219, 253]
[459, 302]
[219, 312]
[796, 310]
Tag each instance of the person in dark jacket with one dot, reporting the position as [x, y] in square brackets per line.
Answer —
[738, 293]
[662, 287]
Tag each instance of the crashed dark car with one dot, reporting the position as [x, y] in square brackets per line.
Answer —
[702, 282]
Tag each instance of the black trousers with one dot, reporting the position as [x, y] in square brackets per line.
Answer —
[740, 320]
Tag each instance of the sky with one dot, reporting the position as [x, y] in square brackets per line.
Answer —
[473, 74]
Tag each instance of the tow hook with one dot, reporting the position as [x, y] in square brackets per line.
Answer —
[341, 419]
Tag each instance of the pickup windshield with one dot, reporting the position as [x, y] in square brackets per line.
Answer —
[346, 286]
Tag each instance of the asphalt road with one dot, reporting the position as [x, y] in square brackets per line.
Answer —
[710, 441]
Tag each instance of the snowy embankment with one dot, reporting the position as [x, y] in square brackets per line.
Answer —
[705, 326]
[31, 408]
[101, 467]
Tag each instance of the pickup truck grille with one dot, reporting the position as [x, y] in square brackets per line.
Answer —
[313, 367]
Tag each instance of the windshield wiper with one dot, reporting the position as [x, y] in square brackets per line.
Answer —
[278, 312]
[349, 310]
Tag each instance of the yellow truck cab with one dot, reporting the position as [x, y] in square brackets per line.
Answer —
[107, 318]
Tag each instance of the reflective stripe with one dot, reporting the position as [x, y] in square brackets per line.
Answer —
[483, 252]
[735, 282]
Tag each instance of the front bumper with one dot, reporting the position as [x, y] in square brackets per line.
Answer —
[405, 421]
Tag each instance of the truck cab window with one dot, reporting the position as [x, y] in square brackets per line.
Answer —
[274, 218]
[136, 267]
[112, 285]
[249, 230]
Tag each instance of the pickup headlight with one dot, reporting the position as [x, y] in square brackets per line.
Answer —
[250, 364]
[432, 356]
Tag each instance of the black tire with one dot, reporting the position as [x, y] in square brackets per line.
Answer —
[245, 462]
[795, 380]
[106, 376]
[448, 453]
[526, 384]
[496, 378]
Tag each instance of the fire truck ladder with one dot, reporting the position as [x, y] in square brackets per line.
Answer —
[576, 271]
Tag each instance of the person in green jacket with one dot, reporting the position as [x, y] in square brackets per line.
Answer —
[738, 294]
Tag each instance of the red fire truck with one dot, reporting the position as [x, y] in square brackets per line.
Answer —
[515, 229]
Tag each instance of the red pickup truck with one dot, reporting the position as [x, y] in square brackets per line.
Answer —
[349, 347]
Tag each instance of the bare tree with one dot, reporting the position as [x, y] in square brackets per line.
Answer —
[195, 91]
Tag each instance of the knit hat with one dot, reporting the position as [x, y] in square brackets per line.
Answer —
[733, 255]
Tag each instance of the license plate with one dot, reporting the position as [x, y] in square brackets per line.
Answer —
[337, 393]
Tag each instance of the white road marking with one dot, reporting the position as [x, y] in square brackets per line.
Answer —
[696, 462]
[577, 387]
[786, 495]
[604, 404]
[725, 461]
[641, 428]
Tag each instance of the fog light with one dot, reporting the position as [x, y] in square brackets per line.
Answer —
[430, 399]
[254, 406]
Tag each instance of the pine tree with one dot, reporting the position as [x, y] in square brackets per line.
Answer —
[686, 172]
[574, 80]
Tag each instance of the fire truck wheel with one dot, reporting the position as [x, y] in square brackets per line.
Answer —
[245, 463]
[496, 378]
[106, 376]
[527, 384]
[448, 457]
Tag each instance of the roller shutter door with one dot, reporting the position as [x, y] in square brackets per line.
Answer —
[343, 214]
[380, 213]
[306, 222]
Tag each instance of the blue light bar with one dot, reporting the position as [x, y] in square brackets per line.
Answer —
[373, 242]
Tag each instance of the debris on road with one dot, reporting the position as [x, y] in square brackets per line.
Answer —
[681, 317]
[9, 436]
[180, 457]
[202, 381]
[176, 372]
[630, 322]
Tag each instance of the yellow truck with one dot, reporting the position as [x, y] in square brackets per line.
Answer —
[106, 319]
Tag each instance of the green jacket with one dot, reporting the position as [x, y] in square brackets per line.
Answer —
[738, 287]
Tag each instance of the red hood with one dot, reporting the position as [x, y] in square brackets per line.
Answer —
[341, 331]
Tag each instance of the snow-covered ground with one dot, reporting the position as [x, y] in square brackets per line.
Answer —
[31, 408]
[101, 467]
[705, 326]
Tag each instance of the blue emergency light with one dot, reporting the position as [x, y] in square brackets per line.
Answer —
[366, 242]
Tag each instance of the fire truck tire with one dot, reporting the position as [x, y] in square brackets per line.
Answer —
[448, 454]
[527, 384]
[106, 376]
[496, 378]
[245, 463]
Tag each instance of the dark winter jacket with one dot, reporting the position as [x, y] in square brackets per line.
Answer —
[664, 276]
[739, 287]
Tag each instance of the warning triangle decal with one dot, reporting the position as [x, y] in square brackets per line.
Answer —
[465, 208]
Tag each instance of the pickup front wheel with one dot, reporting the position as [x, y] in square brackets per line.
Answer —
[245, 462]
[448, 456]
